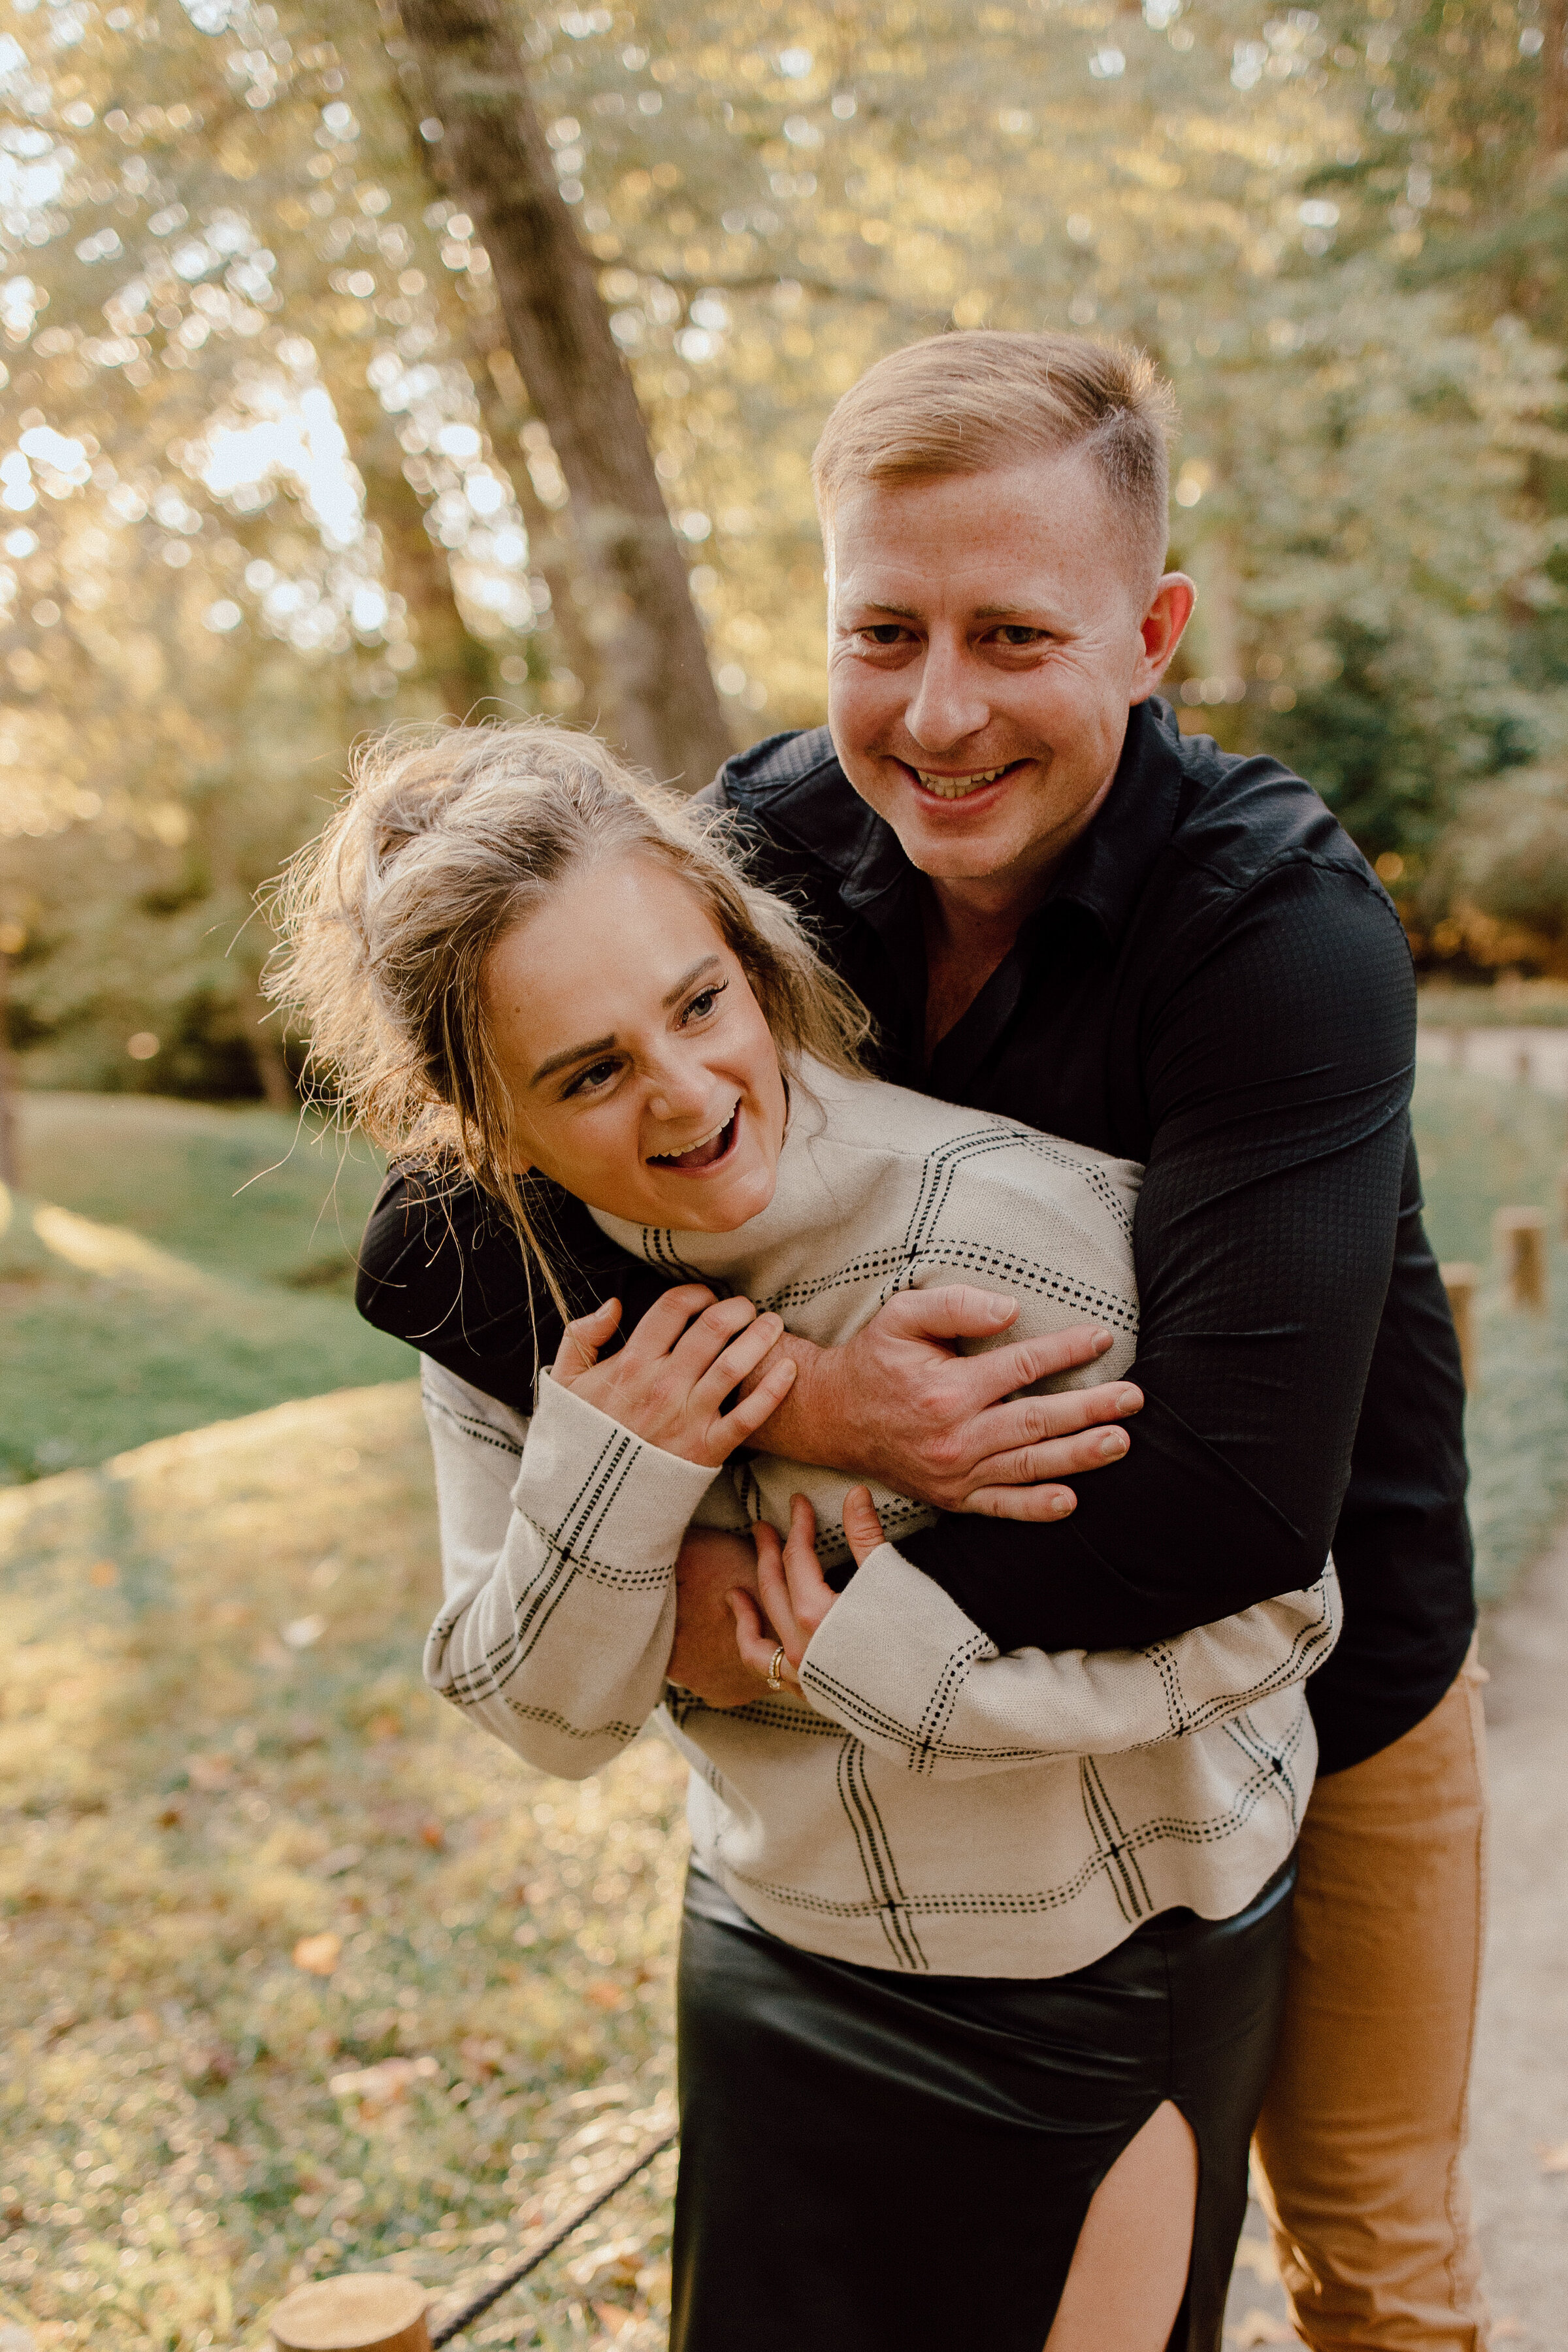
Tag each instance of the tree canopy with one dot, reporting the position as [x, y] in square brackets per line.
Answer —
[274, 473]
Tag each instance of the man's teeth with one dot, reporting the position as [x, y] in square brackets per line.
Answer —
[953, 788]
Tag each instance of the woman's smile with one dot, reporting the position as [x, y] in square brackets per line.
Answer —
[640, 1069]
[708, 1152]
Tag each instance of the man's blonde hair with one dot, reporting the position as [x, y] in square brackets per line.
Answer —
[973, 402]
[449, 839]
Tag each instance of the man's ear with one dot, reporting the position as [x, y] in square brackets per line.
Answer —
[1161, 628]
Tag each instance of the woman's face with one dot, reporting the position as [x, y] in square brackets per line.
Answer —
[641, 1072]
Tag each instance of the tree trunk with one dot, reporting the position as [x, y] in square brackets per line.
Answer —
[503, 403]
[263, 1034]
[9, 1173]
[451, 660]
[1553, 120]
[494, 158]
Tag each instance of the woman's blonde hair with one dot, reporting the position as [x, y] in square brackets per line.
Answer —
[447, 840]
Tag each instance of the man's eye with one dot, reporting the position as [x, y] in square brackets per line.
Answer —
[1014, 632]
[885, 633]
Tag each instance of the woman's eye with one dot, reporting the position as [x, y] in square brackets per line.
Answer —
[597, 1074]
[702, 1005]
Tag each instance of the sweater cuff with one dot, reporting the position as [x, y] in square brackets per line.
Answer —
[604, 1497]
[891, 1644]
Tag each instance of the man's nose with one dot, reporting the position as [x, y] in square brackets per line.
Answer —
[950, 701]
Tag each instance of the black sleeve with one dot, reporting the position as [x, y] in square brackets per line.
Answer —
[441, 1266]
[1277, 1074]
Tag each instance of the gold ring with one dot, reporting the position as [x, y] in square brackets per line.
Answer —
[775, 1663]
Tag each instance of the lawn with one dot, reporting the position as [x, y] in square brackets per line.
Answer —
[216, 1753]
[173, 1264]
[204, 1269]
[298, 1972]
[1486, 1144]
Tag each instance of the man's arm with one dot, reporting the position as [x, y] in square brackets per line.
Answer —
[441, 1266]
[1279, 1077]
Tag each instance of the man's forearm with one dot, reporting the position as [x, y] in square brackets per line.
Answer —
[810, 1423]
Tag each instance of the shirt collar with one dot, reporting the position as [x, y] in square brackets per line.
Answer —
[1103, 872]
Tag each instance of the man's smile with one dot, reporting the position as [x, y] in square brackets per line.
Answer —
[958, 787]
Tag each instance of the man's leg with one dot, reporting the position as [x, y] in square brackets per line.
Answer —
[1364, 2122]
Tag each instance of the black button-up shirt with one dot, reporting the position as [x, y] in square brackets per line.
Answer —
[1216, 985]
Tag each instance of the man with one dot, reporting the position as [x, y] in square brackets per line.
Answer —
[1058, 908]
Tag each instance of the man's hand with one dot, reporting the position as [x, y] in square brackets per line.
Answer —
[899, 1403]
[705, 1659]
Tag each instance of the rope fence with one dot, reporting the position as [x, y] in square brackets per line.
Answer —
[375, 2311]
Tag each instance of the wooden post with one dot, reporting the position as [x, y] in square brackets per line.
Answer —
[1460, 1280]
[358, 2311]
[1520, 1235]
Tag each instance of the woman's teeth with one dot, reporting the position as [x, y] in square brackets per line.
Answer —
[705, 1150]
[955, 788]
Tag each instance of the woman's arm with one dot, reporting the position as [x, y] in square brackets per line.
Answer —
[558, 1546]
[559, 1537]
[899, 1663]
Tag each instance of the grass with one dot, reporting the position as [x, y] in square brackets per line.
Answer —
[204, 1269]
[217, 1762]
[1506, 1004]
[1484, 1145]
[296, 1973]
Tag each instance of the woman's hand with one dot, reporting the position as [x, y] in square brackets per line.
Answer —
[669, 1381]
[796, 1594]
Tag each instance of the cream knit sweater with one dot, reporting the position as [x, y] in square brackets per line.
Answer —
[927, 1804]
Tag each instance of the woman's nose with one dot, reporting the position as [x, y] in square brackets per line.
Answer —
[677, 1094]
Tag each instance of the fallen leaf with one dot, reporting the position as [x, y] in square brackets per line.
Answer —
[613, 2316]
[170, 1817]
[433, 1834]
[481, 2057]
[341, 1858]
[384, 1726]
[319, 1955]
[380, 2086]
[104, 1574]
[209, 1771]
[605, 1995]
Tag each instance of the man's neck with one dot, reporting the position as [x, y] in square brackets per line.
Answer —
[970, 928]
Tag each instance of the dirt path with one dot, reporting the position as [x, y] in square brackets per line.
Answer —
[1521, 2069]
[1519, 2161]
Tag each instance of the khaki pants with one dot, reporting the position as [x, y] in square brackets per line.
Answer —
[1364, 2125]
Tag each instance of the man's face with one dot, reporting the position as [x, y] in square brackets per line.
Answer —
[988, 634]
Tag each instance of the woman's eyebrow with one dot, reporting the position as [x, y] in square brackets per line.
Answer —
[703, 963]
[572, 1054]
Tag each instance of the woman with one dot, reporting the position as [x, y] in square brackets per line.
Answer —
[982, 1955]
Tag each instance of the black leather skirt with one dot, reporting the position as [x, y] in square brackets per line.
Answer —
[873, 2162]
